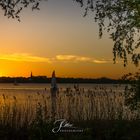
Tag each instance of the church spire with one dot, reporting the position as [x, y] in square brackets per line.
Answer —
[31, 75]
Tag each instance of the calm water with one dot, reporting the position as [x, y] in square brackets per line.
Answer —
[31, 86]
[45, 88]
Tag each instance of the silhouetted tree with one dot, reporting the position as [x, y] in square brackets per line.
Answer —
[12, 8]
[121, 18]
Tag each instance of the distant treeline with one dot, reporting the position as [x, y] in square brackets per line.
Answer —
[45, 79]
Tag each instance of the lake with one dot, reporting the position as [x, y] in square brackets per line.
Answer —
[40, 87]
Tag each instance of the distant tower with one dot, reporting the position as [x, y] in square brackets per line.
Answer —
[31, 76]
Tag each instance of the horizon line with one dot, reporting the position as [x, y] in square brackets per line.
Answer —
[61, 77]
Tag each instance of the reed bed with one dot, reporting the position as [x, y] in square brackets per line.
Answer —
[76, 104]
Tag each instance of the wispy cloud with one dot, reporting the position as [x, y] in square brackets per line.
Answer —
[65, 57]
[100, 61]
[75, 58]
[23, 57]
[72, 58]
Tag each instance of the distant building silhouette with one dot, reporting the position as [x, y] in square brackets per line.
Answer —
[31, 76]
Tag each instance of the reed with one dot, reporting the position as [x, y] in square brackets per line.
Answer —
[76, 104]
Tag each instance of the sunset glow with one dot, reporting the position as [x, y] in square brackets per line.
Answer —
[58, 38]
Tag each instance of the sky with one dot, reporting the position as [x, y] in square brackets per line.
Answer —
[57, 37]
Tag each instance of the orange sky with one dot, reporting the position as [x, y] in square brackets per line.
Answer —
[56, 38]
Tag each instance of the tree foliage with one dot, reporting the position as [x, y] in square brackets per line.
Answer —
[121, 18]
[12, 8]
[132, 91]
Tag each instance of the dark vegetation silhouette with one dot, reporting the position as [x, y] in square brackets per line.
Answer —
[12, 8]
[121, 19]
[45, 79]
[132, 93]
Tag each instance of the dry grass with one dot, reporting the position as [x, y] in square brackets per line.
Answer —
[77, 104]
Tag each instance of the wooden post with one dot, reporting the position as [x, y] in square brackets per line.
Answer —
[54, 92]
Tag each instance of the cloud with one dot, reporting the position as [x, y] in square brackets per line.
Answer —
[23, 57]
[72, 58]
[75, 58]
[65, 57]
[100, 61]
